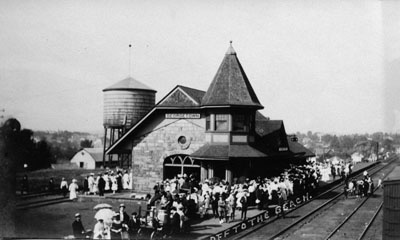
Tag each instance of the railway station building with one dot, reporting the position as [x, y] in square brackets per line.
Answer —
[218, 133]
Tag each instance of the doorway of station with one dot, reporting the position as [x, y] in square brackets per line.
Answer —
[181, 164]
[219, 170]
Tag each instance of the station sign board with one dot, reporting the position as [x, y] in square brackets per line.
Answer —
[182, 115]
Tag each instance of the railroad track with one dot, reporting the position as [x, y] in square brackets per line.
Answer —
[37, 195]
[302, 215]
[350, 227]
[41, 202]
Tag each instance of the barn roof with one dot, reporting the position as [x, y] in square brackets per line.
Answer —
[95, 153]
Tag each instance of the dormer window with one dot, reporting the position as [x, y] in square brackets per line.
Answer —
[221, 122]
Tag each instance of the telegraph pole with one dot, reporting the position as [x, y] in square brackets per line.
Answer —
[2, 114]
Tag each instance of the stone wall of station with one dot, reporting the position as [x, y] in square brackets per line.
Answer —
[150, 150]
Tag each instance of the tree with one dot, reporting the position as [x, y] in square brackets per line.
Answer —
[86, 143]
[347, 143]
[335, 144]
[327, 138]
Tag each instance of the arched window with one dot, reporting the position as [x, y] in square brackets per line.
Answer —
[180, 164]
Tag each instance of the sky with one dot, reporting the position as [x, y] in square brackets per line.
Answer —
[325, 65]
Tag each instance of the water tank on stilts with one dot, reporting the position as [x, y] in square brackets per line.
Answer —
[125, 103]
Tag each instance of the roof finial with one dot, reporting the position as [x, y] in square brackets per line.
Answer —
[230, 51]
[130, 46]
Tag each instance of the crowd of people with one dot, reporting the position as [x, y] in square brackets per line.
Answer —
[217, 199]
[107, 182]
[359, 188]
[123, 226]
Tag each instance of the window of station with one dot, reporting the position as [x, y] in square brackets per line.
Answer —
[208, 122]
[181, 164]
[221, 122]
[241, 122]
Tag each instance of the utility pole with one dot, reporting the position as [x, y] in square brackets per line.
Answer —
[2, 114]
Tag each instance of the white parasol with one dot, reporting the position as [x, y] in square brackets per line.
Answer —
[105, 214]
[102, 206]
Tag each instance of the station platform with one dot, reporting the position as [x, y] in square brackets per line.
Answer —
[208, 227]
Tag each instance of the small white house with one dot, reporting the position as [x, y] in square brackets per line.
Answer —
[356, 157]
[88, 158]
[335, 160]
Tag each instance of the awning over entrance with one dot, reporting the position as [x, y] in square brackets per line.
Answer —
[224, 152]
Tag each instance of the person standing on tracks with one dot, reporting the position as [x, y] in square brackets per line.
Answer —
[51, 185]
[102, 185]
[64, 187]
[24, 185]
[346, 189]
[333, 171]
[91, 183]
[73, 188]
[86, 185]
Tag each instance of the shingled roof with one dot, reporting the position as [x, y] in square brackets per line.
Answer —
[182, 96]
[230, 86]
[128, 83]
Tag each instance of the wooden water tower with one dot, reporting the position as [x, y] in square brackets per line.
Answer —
[125, 103]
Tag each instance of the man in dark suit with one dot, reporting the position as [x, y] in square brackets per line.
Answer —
[244, 202]
[77, 227]
[134, 225]
[175, 222]
[102, 185]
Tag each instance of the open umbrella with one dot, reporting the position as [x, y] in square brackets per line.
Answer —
[102, 206]
[105, 214]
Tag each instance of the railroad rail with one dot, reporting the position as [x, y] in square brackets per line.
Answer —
[41, 203]
[307, 209]
[364, 212]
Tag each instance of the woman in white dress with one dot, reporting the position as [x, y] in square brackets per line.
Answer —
[106, 178]
[125, 180]
[99, 231]
[114, 184]
[73, 188]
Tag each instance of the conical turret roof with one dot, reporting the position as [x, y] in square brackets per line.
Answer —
[230, 86]
[129, 83]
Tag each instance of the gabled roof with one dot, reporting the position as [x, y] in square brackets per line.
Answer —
[195, 94]
[129, 83]
[265, 127]
[230, 86]
[298, 149]
[182, 96]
